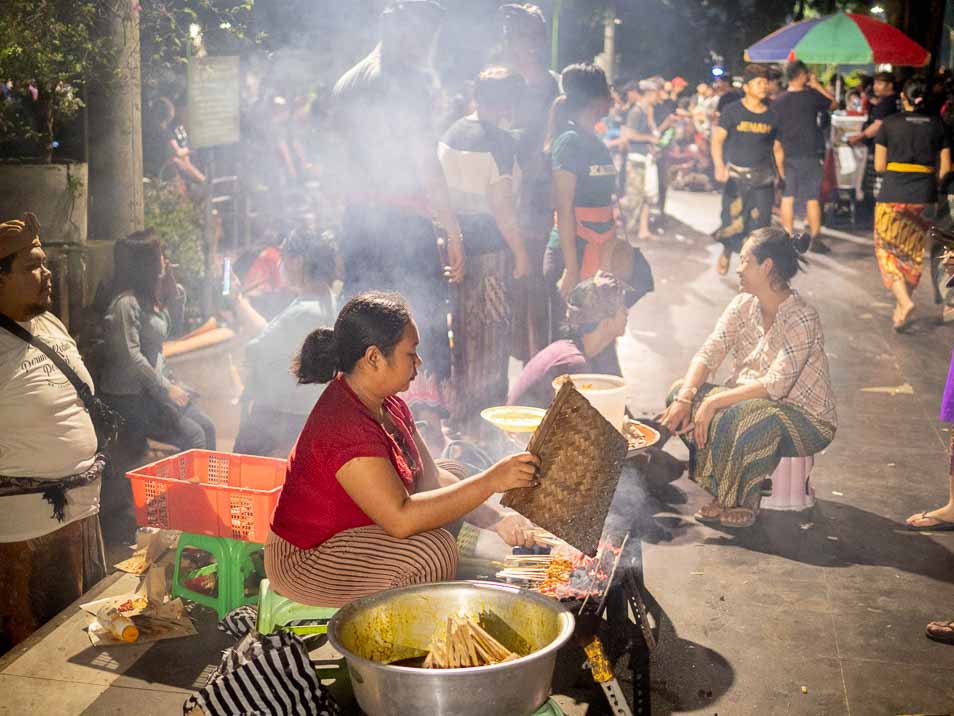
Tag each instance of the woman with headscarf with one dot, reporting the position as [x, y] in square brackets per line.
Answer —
[912, 152]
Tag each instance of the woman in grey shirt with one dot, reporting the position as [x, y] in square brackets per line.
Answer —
[134, 380]
[275, 406]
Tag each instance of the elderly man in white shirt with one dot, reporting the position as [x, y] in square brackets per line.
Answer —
[51, 548]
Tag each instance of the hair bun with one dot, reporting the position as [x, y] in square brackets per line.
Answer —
[801, 242]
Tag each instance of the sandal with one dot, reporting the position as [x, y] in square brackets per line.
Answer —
[747, 515]
[938, 526]
[940, 631]
[709, 514]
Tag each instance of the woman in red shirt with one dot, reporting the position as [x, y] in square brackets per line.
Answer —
[364, 507]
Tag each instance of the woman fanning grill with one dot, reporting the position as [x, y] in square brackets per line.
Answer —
[364, 507]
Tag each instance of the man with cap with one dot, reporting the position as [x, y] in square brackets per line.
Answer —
[51, 548]
[744, 154]
[596, 315]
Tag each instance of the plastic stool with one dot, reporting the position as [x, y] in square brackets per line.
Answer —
[277, 612]
[232, 567]
[550, 708]
[790, 488]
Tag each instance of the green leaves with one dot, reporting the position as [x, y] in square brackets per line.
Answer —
[51, 44]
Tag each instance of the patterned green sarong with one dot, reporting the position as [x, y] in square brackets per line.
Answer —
[746, 441]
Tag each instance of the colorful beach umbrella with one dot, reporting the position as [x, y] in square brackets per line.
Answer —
[842, 39]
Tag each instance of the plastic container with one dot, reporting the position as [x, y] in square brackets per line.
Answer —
[119, 626]
[790, 488]
[218, 494]
[606, 393]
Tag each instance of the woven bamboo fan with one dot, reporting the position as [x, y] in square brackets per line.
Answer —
[581, 458]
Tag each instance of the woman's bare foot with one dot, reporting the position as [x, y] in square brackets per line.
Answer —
[903, 314]
[710, 513]
[926, 520]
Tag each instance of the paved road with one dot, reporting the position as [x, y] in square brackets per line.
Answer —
[834, 600]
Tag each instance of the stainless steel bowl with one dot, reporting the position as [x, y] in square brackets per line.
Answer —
[398, 624]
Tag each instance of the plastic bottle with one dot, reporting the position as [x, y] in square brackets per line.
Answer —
[119, 626]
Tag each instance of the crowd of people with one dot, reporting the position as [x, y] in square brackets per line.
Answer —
[510, 231]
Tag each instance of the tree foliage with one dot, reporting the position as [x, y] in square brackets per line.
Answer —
[47, 49]
[165, 30]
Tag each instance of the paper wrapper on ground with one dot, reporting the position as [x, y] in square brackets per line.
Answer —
[581, 457]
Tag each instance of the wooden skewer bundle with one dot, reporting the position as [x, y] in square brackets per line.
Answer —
[463, 644]
[536, 570]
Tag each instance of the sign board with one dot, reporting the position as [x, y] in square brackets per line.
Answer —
[213, 101]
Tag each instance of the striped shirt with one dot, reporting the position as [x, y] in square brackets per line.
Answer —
[789, 359]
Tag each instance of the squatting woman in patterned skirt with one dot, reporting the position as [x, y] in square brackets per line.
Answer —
[778, 401]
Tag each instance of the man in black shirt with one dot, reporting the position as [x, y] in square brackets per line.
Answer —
[726, 93]
[803, 147]
[742, 156]
[886, 105]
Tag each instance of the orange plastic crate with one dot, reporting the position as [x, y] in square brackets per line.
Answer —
[211, 493]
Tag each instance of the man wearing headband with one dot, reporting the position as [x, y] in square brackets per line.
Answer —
[596, 316]
[50, 540]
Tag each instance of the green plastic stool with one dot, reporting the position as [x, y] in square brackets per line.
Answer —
[550, 708]
[277, 612]
[234, 563]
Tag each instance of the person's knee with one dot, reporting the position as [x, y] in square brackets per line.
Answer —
[441, 550]
[192, 435]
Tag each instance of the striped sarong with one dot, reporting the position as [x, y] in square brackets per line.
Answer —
[746, 442]
[900, 232]
[358, 562]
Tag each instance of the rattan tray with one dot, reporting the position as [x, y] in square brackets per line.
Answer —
[581, 457]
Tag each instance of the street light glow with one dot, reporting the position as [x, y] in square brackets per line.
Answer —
[877, 10]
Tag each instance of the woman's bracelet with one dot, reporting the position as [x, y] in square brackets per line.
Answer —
[684, 401]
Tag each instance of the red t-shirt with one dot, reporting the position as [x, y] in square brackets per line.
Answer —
[313, 506]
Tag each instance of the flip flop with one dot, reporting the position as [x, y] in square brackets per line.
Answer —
[941, 526]
[942, 632]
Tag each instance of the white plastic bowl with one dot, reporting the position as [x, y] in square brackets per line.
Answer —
[606, 393]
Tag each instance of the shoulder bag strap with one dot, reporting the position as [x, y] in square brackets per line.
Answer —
[83, 390]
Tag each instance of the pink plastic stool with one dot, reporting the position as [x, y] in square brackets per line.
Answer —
[790, 488]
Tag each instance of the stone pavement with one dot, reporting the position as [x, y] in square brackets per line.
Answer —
[810, 613]
[834, 600]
